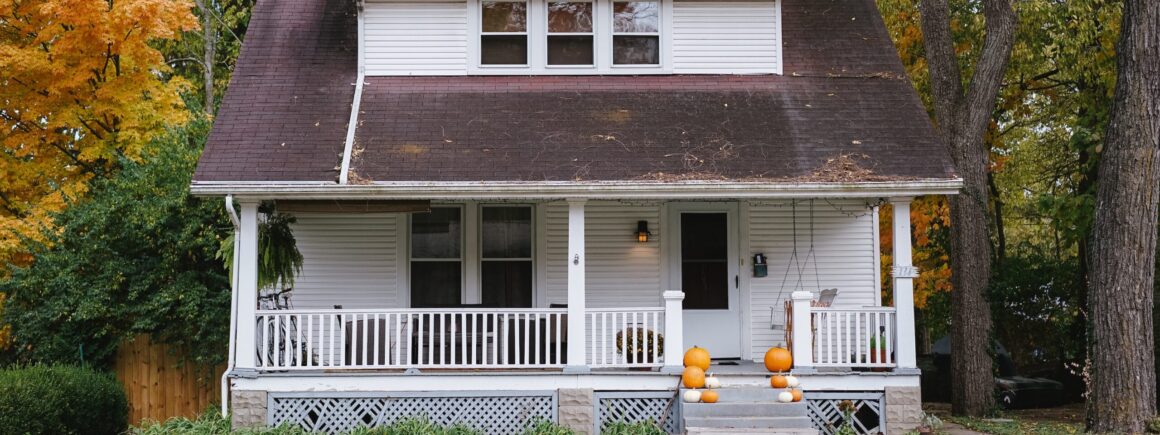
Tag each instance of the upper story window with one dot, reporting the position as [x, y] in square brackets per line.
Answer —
[534, 34]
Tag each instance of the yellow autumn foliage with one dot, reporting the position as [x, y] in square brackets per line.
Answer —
[81, 88]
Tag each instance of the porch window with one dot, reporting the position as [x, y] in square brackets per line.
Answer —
[506, 260]
[504, 38]
[436, 257]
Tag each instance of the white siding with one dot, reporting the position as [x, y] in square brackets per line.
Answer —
[726, 37]
[420, 38]
[843, 253]
[621, 272]
[349, 260]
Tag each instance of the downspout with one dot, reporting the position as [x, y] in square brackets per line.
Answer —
[352, 125]
[231, 356]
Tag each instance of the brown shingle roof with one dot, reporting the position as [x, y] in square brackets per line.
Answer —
[844, 93]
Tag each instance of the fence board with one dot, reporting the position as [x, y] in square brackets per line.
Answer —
[157, 387]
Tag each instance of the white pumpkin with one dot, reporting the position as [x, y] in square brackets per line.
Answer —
[694, 396]
[785, 397]
[791, 381]
[712, 383]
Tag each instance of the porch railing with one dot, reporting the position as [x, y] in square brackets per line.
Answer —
[411, 338]
[625, 337]
[854, 337]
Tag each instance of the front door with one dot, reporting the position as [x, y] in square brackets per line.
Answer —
[705, 268]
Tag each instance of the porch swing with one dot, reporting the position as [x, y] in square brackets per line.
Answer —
[825, 297]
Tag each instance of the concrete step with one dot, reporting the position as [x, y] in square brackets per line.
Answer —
[741, 431]
[744, 409]
[749, 394]
[802, 422]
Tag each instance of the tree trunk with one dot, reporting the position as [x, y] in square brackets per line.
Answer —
[1122, 389]
[963, 117]
[209, 52]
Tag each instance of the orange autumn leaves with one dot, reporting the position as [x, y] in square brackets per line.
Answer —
[930, 223]
[81, 88]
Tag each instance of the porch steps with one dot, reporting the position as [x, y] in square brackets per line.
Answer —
[747, 410]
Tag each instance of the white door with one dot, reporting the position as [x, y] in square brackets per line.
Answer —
[703, 259]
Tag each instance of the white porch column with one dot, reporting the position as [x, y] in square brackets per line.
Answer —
[247, 286]
[904, 273]
[674, 332]
[577, 312]
[803, 332]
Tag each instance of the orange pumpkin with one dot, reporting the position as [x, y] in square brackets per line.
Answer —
[797, 395]
[709, 396]
[693, 377]
[697, 357]
[778, 381]
[778, 359]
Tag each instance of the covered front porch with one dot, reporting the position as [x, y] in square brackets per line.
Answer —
[590, 294]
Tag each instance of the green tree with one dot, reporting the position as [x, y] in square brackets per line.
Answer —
[135, 256]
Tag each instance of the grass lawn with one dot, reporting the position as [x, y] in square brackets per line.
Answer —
[1066, 419]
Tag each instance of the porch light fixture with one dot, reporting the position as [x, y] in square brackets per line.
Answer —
[642, 231]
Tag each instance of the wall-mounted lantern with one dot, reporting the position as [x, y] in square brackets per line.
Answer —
[760, 268]
[642, 231]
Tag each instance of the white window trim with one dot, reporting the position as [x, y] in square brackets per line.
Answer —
[595, 31]
[538, 38]
[471, 252]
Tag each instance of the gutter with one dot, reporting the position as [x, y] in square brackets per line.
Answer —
[352, 124]
[232, 355]
[576, 190]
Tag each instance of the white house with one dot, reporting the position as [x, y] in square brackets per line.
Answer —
[496, 198]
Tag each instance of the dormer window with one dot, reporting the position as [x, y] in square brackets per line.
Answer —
[577, 36]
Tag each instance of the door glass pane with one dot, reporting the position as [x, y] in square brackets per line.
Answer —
[505, 17]
[635, 17]
[507, 232]
[507, 284]
[636, 50]
[435, 283]
[705, 261]
[569, 17]
[436, 234]
[569, 50]
[503, 49]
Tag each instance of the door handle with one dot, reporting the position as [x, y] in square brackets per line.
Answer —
[737, 281]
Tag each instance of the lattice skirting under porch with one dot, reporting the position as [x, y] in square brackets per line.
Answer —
[636, 406]
[500, 412]
[825, 411]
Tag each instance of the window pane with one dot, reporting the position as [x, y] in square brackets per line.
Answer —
[435, 283]
[503, 49]
[507, 284]
[635, 17]
[636, 50]
[436, 234]
[567, 17]
[705, 260]
[505, 16]
[569, 50]
[507, 232]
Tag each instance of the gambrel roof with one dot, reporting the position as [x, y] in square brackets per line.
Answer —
[843, 111]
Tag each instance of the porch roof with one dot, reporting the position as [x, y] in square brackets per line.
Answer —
[843, 118]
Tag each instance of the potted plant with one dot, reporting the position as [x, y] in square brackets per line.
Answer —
[638, 343]
[878, 351]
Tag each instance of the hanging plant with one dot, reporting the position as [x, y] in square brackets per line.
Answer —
[279, 261]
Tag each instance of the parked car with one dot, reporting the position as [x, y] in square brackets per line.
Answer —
[1011, 389]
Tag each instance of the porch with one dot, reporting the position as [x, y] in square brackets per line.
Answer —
[587, 328]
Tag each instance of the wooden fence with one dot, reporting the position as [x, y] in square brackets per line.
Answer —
[158, 388]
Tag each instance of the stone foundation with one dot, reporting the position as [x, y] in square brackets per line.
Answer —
[247, 408]
[576, 406]
[903, 409]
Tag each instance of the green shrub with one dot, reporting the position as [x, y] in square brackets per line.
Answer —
[209, 423]
[638, 428]
[61, 400]
[416, 426]
[546, 427]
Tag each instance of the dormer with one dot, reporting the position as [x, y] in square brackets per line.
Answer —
[579, 37]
